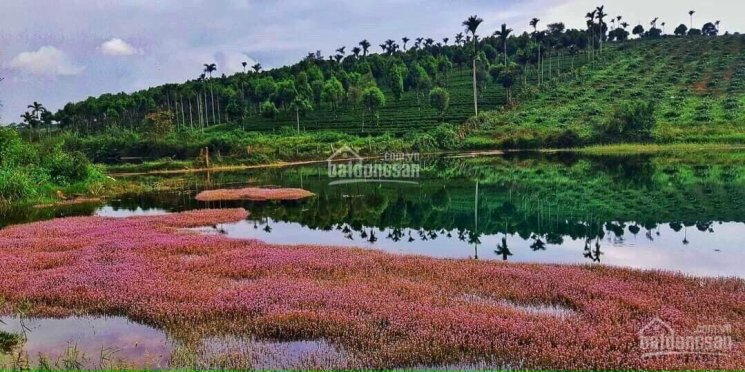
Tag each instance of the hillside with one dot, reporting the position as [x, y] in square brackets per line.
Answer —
[681, 89]
[697, 86]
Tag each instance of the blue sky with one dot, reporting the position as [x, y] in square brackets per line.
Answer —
[55, 54]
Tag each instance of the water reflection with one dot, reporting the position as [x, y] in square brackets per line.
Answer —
[90, 342]
[663, 212]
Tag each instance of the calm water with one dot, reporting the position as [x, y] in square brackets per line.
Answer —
[683, 213]
[680, 213]
[90, 342]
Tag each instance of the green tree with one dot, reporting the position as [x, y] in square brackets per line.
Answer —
[268, 110]
[396, 81]
[286, 92]
[638, 30]
[506, 77]
[266, 88]
[439, 98]
[372, 99]
[301, 105]
[333, 93]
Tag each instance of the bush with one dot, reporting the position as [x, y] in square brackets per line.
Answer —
[632, 122]
[269, 110]
[445, 136]
[564, 139]
[67, 168]
[15, 185]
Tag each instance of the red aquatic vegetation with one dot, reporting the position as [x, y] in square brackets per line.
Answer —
[254, 193]
[383, 310]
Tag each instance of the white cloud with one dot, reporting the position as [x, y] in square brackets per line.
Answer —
[48, 60]
[118, 47]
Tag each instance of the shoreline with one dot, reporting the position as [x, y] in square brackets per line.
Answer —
[612, 149]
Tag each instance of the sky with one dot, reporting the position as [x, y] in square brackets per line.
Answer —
[55, 53]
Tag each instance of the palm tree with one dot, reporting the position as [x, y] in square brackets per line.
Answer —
[37, 109]
[502, 34]
[690, 14]
[209, 68]
[663, 27]
[472, 23]
[244, 64]
[390, 46]
[590, 20]
[534, 23]
[446, 39]
[405, 40]
[458, 38]
[600, 15]
[30, 120]
[341, 50]
[256, 67]
[365, 46]
[716, 23]
[356, 51]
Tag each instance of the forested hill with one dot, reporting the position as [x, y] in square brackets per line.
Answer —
[563, 84]
[339, 91]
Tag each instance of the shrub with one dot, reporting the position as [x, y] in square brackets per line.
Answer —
[564, 139]
[67, 168]
[269, 110]
[632, 121]
[445, 136]
[15, 185]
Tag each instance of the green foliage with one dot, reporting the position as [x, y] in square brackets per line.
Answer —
[33, 170]
[373, 98]
[439, 98]
[269, 110]
[445, 136]
[16, 184]
[632, 122]
[333, 93]
[67, 168]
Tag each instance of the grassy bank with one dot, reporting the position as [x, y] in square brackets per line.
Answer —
[43, 171]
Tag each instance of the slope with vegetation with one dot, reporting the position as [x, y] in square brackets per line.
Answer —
[663, 90]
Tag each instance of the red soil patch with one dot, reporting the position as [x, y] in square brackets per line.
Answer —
[384, 310]
[702, 86]
[254, 193]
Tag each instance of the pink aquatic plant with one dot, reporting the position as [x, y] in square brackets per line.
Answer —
[383, 310]
[254, 193]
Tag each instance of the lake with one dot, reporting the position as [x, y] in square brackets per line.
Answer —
[673, 212]
[683, 213]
